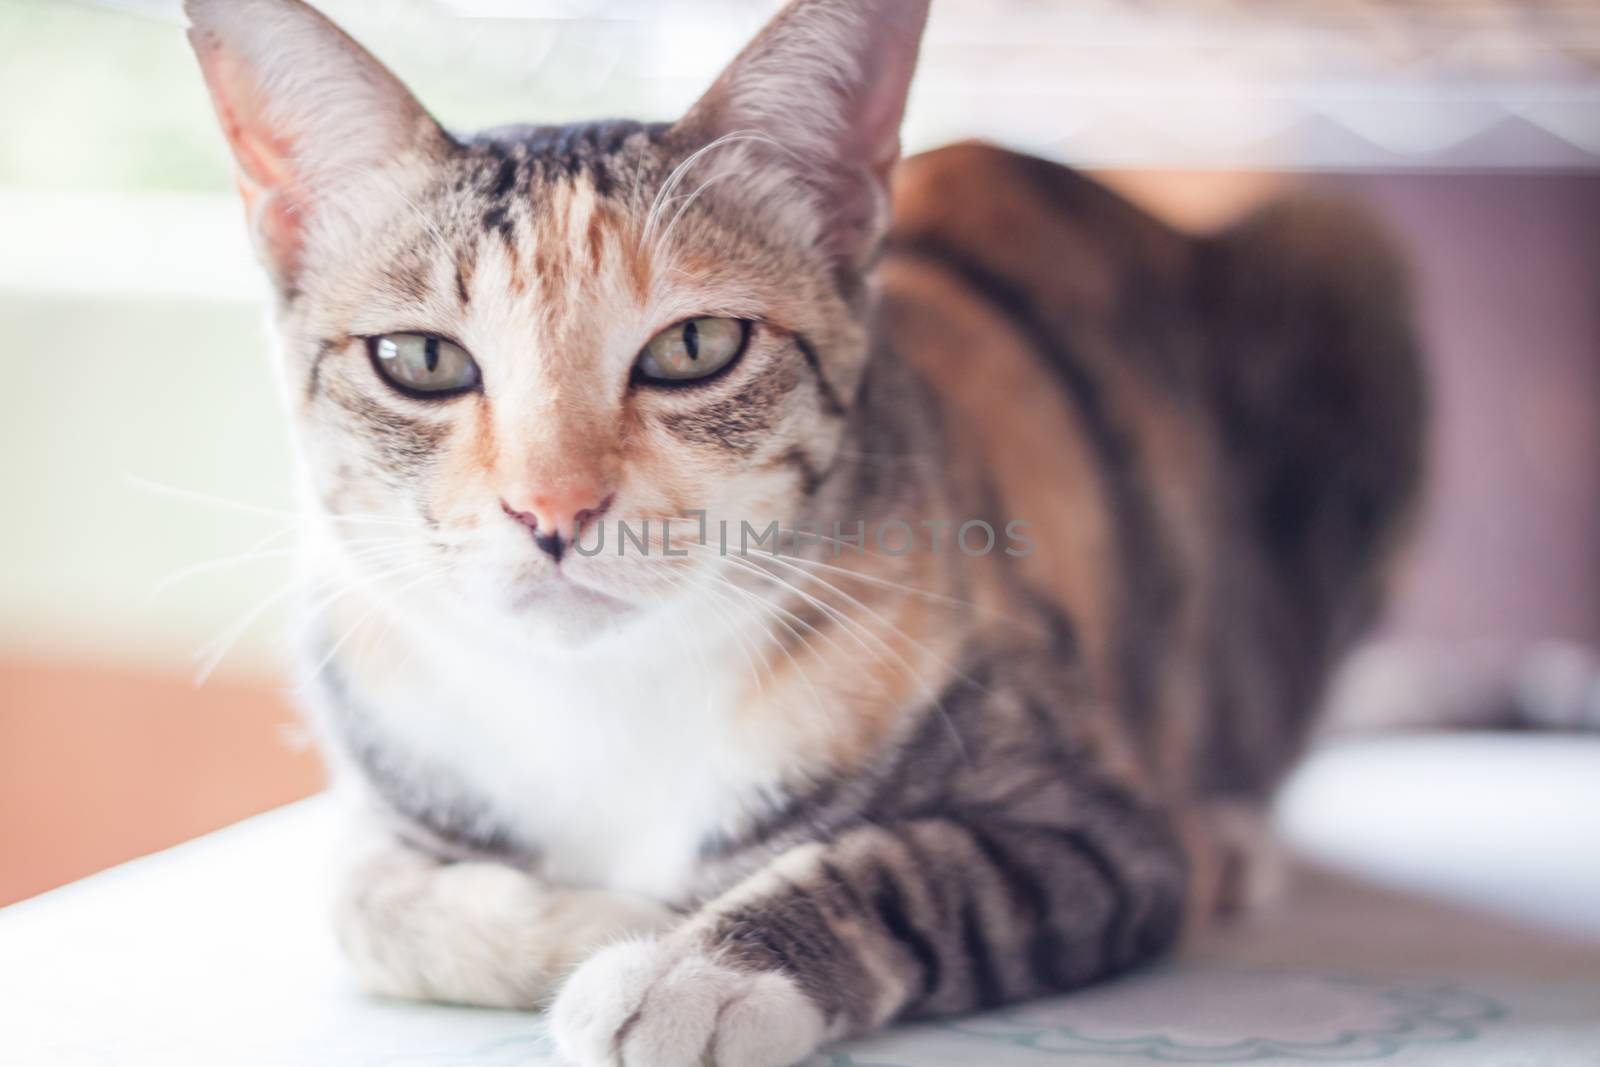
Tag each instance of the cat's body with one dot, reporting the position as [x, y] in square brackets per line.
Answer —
[824, 787]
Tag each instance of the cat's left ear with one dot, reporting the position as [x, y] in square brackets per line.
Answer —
[824, 88]
[310, 116]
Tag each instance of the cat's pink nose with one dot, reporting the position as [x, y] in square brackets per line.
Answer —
[557, 515]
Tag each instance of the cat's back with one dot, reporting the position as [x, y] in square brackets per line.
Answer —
[1072, 265]
[1215, 439]
[1048, 315]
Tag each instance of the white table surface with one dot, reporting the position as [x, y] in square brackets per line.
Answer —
[218, 954]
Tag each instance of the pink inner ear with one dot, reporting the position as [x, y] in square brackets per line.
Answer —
[876, 121]
[888, 61]
[266, 179]
[871, 136]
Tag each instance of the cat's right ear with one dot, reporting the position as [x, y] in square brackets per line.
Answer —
[307, 112]
[819, 95]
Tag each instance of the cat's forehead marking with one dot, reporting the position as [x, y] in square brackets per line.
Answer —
[554, 199]
[513, 161]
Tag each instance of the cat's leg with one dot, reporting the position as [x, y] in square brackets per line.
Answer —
[1242, 864]
[477, 933]
[928, 917]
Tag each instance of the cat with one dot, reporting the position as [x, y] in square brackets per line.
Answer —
[1061, 520]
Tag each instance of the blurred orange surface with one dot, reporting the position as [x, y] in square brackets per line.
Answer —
[100, 765]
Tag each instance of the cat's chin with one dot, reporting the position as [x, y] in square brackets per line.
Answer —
[565, 614]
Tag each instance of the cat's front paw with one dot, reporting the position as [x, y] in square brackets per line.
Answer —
[664, 1004]
[483, 934]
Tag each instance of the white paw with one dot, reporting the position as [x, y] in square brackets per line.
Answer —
[474, 933]
[656, 1004]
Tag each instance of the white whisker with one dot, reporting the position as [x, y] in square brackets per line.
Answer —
[256, 553]
[211, 654]
[854, 628]
[387, 601]
[761, 603]
[688, 202]
[247, 508]
[653, 218]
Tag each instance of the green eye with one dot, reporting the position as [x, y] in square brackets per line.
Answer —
[694, 349]
[419, 363]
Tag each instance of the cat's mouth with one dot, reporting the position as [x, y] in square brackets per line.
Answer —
[568, 614]
[559, 592]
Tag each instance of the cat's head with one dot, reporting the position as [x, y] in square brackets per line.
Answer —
[496, 344]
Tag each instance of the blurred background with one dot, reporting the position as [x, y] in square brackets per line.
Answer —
[145, 467]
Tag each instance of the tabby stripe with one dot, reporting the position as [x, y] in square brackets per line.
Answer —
[988, 987]
[1033, 896]
[1018, 879]
[802, 925]
[425, 797]
[1050, 963]
[504, 179]
[889, 903]
[1049, 956]
[314, 376]
[830, 399]
[1146, 617]
[623, 1031]
[850, 900]
[840, 981]
[797, 460]
[404, 440]
[499, 221]
[1145, 294]
[793, 934]
[759, 931]
[1121, 896]
[932, 744]
[1051, 736]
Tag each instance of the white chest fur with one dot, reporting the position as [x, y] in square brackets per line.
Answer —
[615, 767]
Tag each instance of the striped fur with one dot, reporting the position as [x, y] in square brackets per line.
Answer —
[799, 796]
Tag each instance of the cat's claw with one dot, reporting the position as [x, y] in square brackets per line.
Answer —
[659, 1003]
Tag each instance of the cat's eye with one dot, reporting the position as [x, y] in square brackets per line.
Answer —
[422, 364]
[697, 348]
